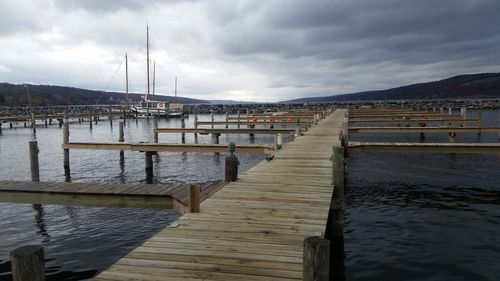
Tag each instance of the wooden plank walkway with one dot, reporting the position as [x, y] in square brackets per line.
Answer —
[129, 195]
[252, 229]
[424, 129]
[424, 147]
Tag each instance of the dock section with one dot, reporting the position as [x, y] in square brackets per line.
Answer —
[252, 229]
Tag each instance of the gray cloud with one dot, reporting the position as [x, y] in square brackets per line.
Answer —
[250, 49]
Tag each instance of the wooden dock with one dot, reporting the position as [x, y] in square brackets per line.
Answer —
[119, 195]
[261, 131]
[252, 229]
[424, 129]
[424, 147]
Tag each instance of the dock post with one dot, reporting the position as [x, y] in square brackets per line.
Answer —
[1, 123]
[90, 120]
[121, 138]
[239, 115]
[183, 126]
[10, 125]
[46, 122]
[35, 169]
[215, 138]
[33, 123]
[441, 110]
[194, 199]
[450, 110]
[335, 224]
[27, 264]
[316, 262]
[227, 119]
[212, 118]
[422, 134]
[155, 133]
[96, 119]
[66, 151]
[110, 115]
[196, 125]
[232, 163]
[278, 140]
[124, 118]
[149, 166]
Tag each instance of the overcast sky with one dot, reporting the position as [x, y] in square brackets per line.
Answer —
[248, 50]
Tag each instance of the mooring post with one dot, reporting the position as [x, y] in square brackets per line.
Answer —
[335, 224]
[183, 126]
[121, 138]
[196, 125]
[66, 150]
[90, 120]
[110, 115]
[155, 133]
[232, 163]
[239, 115]
[35, 170]
[450, 110]
[194, 198]
[278, 140]
[46, 122]
[212, 117]
[227, 119]
[27, 264]
[124, 117]
[215, 138]
[316, 262]
[149, 166]
[1, 123]
[33, 123]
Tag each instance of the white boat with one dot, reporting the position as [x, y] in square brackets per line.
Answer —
[147, 108]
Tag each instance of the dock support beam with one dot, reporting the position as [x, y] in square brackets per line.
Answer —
[232, 163]
[316, 263]
[35, 169]
[27, 264]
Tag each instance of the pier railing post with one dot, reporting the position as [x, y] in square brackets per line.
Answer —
[316, 262]
[35, 170]
[232, 163]
[27, 264]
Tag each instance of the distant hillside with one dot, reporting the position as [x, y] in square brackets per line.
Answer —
[11, 94]
[484, 85]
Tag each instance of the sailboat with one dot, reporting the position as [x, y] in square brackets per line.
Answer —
[176, 109]
[148, 107]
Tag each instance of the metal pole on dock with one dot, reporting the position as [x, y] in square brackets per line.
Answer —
[27, 264]
[232, 163]
[316, 261]
[149, 166]
[35, 169]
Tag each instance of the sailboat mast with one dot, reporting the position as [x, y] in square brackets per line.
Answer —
[126, 81]
[154, 78]
[147, 58]
[175, 91]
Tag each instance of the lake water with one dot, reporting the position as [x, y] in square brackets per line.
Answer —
[409, 216]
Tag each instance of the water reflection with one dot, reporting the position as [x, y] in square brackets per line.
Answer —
[40, 222]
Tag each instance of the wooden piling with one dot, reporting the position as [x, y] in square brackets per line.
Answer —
[1, 123]
[90, 120]
[124, 118]
[33, 123]
[194, 199]
[155, 134]
[316, 261]
[110, 115]
[195, 125]
[227, 119]
[66, 151]
[232, 163]
[183, 125]
[239, 115]
[27, 264]
[121, 138]
[149, 166]
[212, 118]
[35, 170]
[278, 140]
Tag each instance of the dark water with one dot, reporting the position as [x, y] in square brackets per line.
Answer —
[81, 241]
[424, 216]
